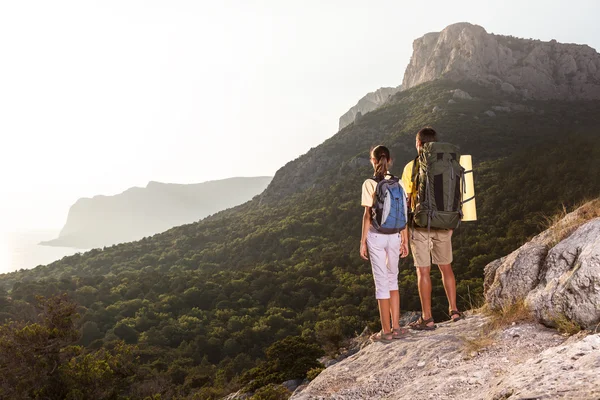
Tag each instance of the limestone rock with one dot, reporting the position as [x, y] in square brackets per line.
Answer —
[451, 101]
[292, 384]
[436, 109]
[501, 108]
[512, 278]
[507, 87]
[239, 395]
[556, 280]
[439, 365]
[490, 113]
[461, 94]
[530, 68]
[570, 371]
[570, 280]
[369, 102]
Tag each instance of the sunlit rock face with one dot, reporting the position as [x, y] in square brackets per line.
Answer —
[526, 67]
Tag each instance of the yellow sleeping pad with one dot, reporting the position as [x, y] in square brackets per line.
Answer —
[469, 209]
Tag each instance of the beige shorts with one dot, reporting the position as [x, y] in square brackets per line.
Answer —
[434, 246]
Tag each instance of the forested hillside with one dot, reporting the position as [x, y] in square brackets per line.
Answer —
[203, 302]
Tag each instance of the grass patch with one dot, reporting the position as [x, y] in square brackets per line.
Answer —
[561, 226]
[313, 373]
[565, 326]
[507, 315]
[474, 302]
[498, 319]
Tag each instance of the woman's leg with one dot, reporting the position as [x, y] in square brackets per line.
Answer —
[384, 314]
[376, 243]
[395, 308]
[393, 257]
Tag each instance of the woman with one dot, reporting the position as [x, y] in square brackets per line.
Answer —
[383, 249]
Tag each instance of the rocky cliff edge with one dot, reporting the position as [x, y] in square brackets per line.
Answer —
[510, 351]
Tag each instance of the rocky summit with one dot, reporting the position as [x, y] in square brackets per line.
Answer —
[497, 354]
[530, 68]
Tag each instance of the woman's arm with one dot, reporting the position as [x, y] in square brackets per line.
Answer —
[404, 244]
[366, 224]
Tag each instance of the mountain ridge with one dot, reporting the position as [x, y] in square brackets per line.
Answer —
[136, 212]
[206, 301]
[367, 103]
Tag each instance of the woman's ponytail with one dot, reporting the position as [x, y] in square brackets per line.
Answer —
[381, 161]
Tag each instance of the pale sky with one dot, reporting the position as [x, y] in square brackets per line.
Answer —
[100, 96]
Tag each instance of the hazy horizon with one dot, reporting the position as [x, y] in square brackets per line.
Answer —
[98, 97]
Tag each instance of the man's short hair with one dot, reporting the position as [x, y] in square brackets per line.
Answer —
[426, 135]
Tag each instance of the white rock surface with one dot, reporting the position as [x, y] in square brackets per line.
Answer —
[569, 282]
[526, 359]
[529, 68]
[557, 282]
[461, 94]
[569, 371]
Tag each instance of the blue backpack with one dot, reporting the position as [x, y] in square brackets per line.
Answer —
[389, 209]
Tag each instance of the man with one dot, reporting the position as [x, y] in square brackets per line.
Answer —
[427, 246]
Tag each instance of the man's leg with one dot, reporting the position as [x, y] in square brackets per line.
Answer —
[419, 246]
[442, 256]
[424, 283]
[449, 284]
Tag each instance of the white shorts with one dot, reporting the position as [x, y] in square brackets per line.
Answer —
[384, 253]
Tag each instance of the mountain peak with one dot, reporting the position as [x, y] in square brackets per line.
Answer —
[526, 67]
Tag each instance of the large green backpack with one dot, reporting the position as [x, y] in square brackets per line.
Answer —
[438, 179]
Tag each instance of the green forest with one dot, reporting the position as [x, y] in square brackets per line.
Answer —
[255, 294]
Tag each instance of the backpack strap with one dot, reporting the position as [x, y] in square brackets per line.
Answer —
[415, 169]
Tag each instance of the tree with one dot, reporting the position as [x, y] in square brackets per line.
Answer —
[39, 359]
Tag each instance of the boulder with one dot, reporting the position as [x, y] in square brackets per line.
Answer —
[507, 87]
[461, 94]
[511, 278]
[292, 384]
[556, 274]
[490, 113]
[569, 280]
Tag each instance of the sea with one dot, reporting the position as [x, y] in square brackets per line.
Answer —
[21, 250]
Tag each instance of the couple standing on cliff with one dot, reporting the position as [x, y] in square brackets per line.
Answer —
[424, 185]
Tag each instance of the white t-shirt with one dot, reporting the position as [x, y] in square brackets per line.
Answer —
[368, 191]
